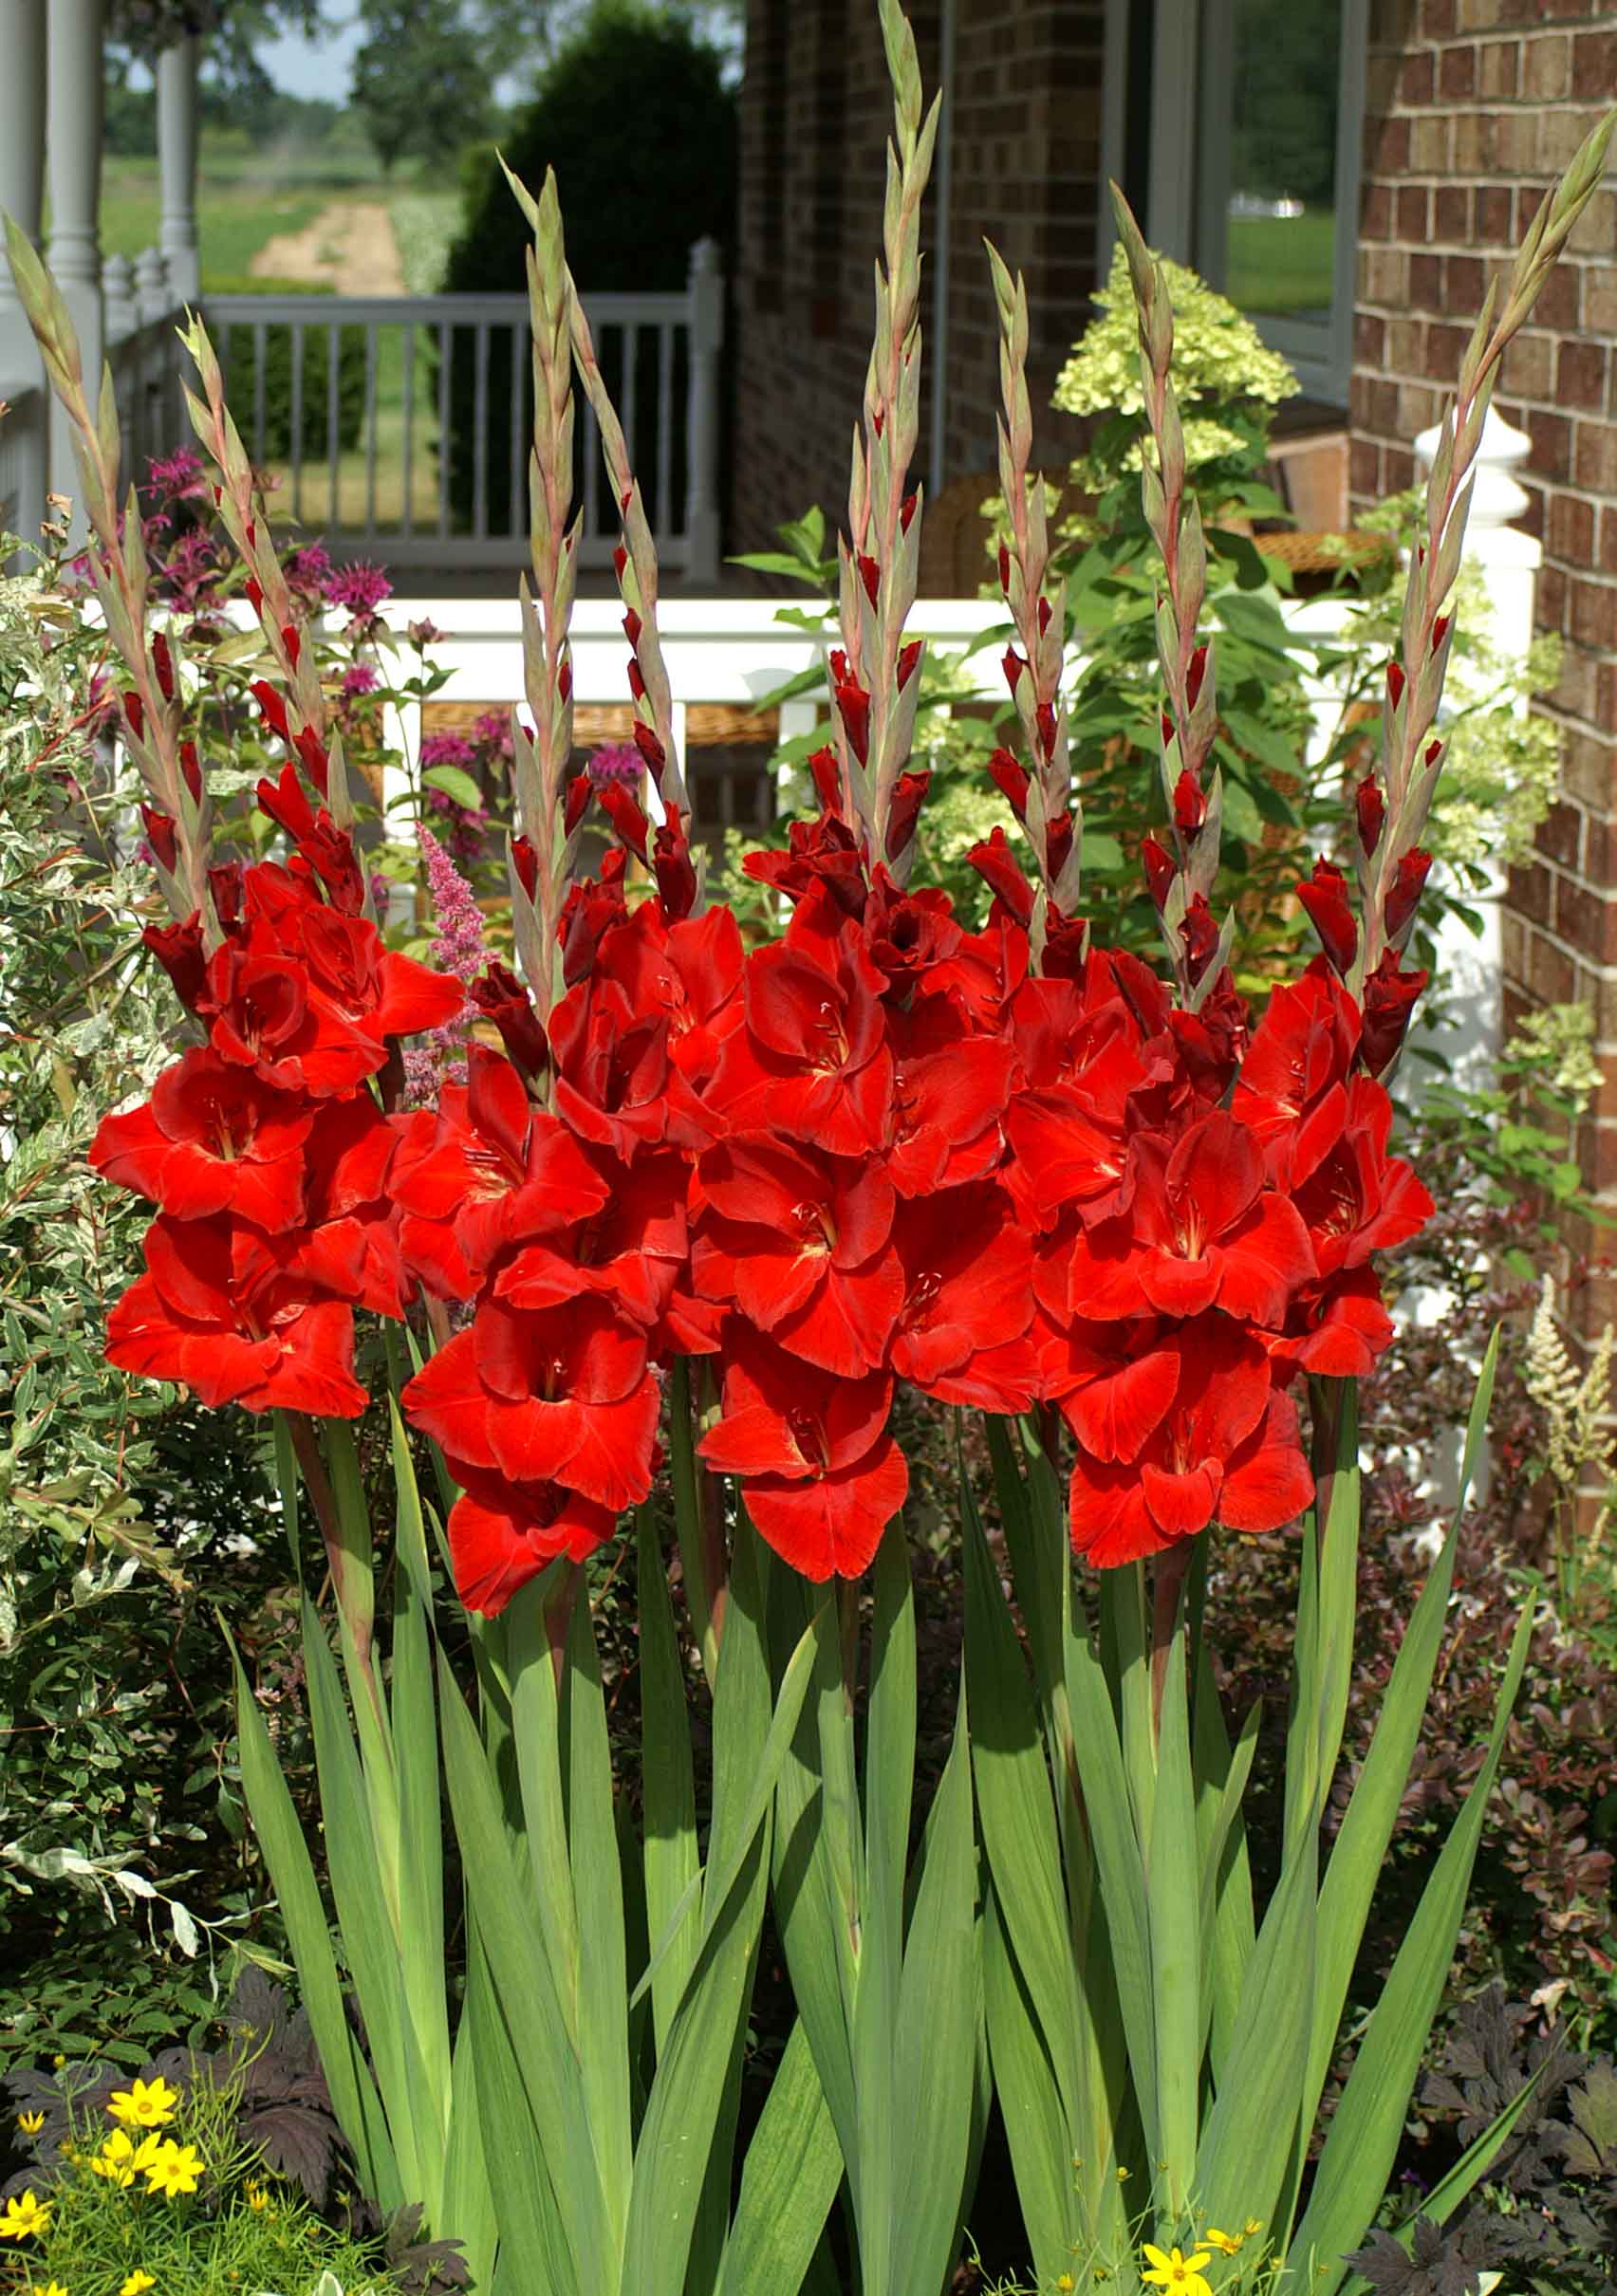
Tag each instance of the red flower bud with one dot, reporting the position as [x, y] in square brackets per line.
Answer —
[134, 710]
[1158, 866]
[526, 862]
[996, 865]
[1058, 844]
[1403, 896]
[1005, 569]
[870, 575]
[1013, 666]
[1371, 807]
[274, 708]
[1394, 684]
[178, 949]
[1440, 630]
[563, 687]
[908, 656]
[163, 662]
[1195, 673]
[1013, 779]
[632, 626]
[255, 595]
[191, 766]
[637, 683]
[673, 869]
[1389, 999]
[620, 560]
[625, 816]
[651, 750]
[906, 513]
[1044, 717]
[1045, 611]
[576, 803]
[1190, 806]
[1325, 898]
[227, 882]
[827, 776]
[160, 837]
[1200, 935]
[251, 531]
[292, 642]
[316, 763]
[853, 705]
[501, 998]
[907, 796]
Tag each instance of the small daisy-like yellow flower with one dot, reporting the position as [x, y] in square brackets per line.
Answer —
[1231, 2244]
[146, 2104]
[173, 2170]
[1066, 2283]
[1177, 2273]
[116, 2159]
[55, 2289]
[257, 2197]
[137, 2284]
[30, 2124]
[25, 2215]
[1252, 2223]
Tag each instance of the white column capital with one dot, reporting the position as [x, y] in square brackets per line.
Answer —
[74, 117]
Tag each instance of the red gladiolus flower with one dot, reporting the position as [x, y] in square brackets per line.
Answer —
[1391, 996]
[967, 1294]
[1290, 1091]
[484, 1170]
[1202, 1232]
[564, 1397]
[502, 1533]
[821, 1476]
[218, 1312]
[803, 1246]
[211, 1138]
[813, 1060]
[1225, 1449]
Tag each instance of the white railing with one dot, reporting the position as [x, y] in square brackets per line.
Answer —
[400, 426]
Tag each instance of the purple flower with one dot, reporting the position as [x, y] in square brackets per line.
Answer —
[359, 587]
[424, 634]
[177, 477]
[617, 762]
[458, 948]
[307, 571]
[491, 732]
[447, 750]
[359, 677]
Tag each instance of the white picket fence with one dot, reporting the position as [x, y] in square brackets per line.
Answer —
[402, 425]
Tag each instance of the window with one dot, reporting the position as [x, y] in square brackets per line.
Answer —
[1256, 112]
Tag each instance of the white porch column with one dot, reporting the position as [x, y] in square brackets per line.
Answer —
[1507, 561]
[701, 481]
[73, 148]
[176, 159]
[24, 431]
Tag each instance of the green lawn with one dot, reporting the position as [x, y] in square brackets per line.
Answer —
[1281, 264]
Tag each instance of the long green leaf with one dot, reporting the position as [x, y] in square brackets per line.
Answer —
[1172, 1904]
[788, 2181]
[597, 1897]
[291, 1870]
[1041, 2138]
[670, 1858]
[1365, 2130]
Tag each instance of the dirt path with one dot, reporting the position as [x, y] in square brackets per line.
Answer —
[349, 243]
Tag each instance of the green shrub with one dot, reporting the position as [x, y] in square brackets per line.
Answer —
[238, 349]
[636, 120]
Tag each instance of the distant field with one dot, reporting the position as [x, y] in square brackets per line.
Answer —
[1281, 263]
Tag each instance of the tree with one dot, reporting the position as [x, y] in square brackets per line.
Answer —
[419, 84]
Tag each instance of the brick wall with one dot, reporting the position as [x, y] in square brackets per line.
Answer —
[815, 109]
[1475, 106]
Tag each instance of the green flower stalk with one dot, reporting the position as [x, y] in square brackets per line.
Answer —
[152, 709]
[875, 674]
[540, 759]
[1050, 804]
[1395, 799]
[1181, 883]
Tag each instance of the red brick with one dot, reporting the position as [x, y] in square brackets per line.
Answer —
[1552, 436]
[1498, 68]
[1415, 78]
[1594, 458]
[1451, 205]
[1493, 216]
[1560, 836]
[1426, 282]
[1580, 373]
[1593, 616]
[1413, 212]
[1587, 918]
[1572, 528]
[1376, 212]
[1547, 66]
[1531, 892]
[1594, 64]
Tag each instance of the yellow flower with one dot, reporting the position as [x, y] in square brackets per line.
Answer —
[1252, 2223]
[30, 2124]
[55, 2289]
[1180, 2274]
[137, 2284]
[173, 2170]
[25, 2214]
[1230, 2242]
[146, 2104]
[1066, 2283]
[257, 2197]
[116, 2159]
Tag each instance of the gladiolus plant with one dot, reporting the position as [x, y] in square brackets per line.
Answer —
[692, 1214]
